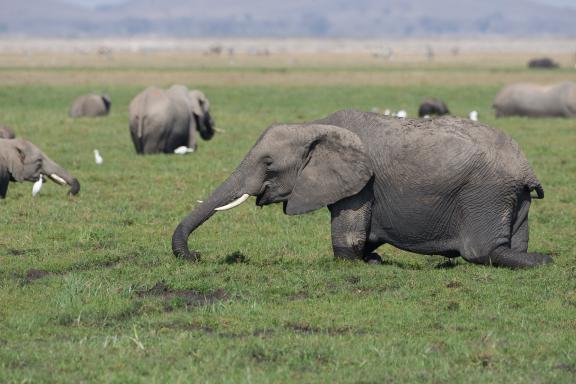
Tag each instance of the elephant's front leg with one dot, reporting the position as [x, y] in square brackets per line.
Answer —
[351, 225]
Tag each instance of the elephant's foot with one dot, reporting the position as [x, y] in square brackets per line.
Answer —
[372, 258]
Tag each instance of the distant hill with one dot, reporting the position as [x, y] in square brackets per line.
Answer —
[296, 18]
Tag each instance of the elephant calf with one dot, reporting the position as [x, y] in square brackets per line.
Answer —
[163, 120]
[446, 186]
[20, 160]
[431, 107]
[534, 100]
[91, 105]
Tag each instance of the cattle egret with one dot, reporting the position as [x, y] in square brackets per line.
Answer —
[97, 158]
[37, 186]
[473, 116]
[183, 150]
[401, 114]
[387, 112]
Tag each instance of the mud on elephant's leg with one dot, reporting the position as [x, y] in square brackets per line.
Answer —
[351, 226]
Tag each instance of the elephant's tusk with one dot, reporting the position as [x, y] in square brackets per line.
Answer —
[57, 179]
[233, 204]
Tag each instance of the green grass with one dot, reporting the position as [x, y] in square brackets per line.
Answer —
[77, 275]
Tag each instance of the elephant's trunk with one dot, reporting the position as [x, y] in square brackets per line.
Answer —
[59, 175]
[206, 126]
[229, 191]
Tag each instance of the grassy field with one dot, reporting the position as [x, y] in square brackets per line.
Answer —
[90, 291]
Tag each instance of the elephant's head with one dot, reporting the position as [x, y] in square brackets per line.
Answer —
[21, 160]
[201, 110]
[305, 167]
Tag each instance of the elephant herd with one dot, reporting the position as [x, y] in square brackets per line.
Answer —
[444, 186]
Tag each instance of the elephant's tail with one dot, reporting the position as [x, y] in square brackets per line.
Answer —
[536, 187]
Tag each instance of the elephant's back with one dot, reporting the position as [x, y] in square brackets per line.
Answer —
[526, 99]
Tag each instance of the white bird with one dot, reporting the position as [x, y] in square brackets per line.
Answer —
[387, 112]
[182, 150]
[401, 114]
[97, 158]
[473, 116]
[37, 186]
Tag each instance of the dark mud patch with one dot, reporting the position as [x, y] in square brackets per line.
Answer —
[566, 367]
[34, 274]
[454, 284]
[179, 298]
[305, 328]
[352, 280]
[235, 258]
[206, 329]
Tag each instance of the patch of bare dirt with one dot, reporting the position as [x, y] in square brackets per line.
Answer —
[176, 298]
[306, 328]
[35, 274]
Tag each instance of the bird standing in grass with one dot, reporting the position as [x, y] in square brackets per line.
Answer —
[97, 158]
[473, 115]
[37, 186]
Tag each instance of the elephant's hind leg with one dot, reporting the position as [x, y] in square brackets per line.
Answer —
[503, 245]
[351, 226]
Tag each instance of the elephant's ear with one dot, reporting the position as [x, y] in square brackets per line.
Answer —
[24, 161]
[198, 102]
[336, 166]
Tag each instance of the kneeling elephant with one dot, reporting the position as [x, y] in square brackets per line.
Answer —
[445, 186]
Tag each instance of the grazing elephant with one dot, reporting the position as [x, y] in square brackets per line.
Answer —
[163, 120]
[445, 186]
[6, 132]
[20, 160]
[91, 105]
[543, 63]
[431, 107]
[533, 100]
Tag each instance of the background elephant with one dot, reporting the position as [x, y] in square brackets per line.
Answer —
[543, 63]
[446, 186]
[20, 160]
[91, 105]
[163, 120]
[431, 107]
[534, 100]
[6, 132]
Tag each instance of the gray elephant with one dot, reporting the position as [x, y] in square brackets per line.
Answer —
[534, 100]
[543, 63]
[6, 132]
[20, 160]
[445, 186]
[163, 120]
[432, 107]
[91, 105]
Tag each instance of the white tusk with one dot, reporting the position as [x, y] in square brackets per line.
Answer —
[233, 204]
[57, 179]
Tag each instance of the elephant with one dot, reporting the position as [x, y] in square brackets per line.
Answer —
[20, 160]
[91, 105]
[534, 100]
[447, 186]
[163, 120]
[6, 132]
[432, 106]
[543, 63]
